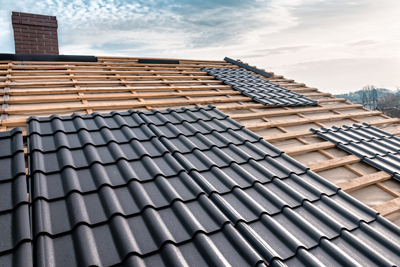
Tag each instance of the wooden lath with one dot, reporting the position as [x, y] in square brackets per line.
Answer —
[131, 104]
[310, 120]
[67, 90]
[274, 113]
[42, 99]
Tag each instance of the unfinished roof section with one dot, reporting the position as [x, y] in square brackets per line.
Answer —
[118, 83]
[15, 236]
[187, 187]
[259, 89]
[374, 146]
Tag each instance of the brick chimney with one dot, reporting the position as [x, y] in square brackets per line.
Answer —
[35, 34]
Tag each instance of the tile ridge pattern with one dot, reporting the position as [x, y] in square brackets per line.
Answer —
[373, 145]
[259, 89]
[247, 67]
[15, 236]
[217, 205]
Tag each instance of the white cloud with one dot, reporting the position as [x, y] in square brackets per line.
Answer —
[280, 35]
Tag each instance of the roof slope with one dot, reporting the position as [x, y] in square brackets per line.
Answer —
[187, 186]
[117, 83]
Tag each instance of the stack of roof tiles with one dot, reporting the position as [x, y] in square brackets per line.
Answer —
[187, 187]
[373, 145]
[259, 89]
[15, 236]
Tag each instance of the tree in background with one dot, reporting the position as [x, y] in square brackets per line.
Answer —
[369, 96]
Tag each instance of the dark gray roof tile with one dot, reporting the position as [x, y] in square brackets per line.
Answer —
[374, 146]
[10, 143]
[12, 193]
[10, 167]
[191, 195]
[388, 163]
[15, 228]
[19, 256]
[115, 120]
[181, 220]
[15, 236]
[259, 89]
[371, 244]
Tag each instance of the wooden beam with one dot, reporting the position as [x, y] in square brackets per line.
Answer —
[309, 120]
[41, 99]
[285, 136]
[387, 189]
[130, 104]
[290, 135]
[100, 77]
[45, 91]
[308, 148]
[333, 163]
[86, 72]
[285, 84]
[101, 67]
[274, 113]
[333, 100]
[389, 207]
[40, 83]
[317, 94]
[20, 122]
[363, 181]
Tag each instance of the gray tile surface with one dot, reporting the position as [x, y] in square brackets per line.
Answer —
[373, 145]
[15, 236]
[186, 193]
[259, 89]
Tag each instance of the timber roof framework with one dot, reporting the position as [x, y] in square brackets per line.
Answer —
[117, 83]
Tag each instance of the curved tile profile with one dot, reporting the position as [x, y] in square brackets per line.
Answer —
[198, 189]
[259, 89]
[373, 145]
[371, 244]
[15, 236]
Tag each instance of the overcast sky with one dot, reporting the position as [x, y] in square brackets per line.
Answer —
[336, 46]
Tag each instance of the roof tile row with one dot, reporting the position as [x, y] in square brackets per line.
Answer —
[373, 145]
[259, 89]
[15, 236]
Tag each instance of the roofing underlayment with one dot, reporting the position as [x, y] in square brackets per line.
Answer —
[157, 196]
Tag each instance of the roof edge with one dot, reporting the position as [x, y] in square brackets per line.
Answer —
[54, 58]
[247, 67]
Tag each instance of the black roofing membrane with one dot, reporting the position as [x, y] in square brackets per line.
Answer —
[15, 236]
[259, 89]
[373, 145]
[187, 187]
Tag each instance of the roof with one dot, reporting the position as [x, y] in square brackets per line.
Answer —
[15, 245]
[115, 83]
[225, 197]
